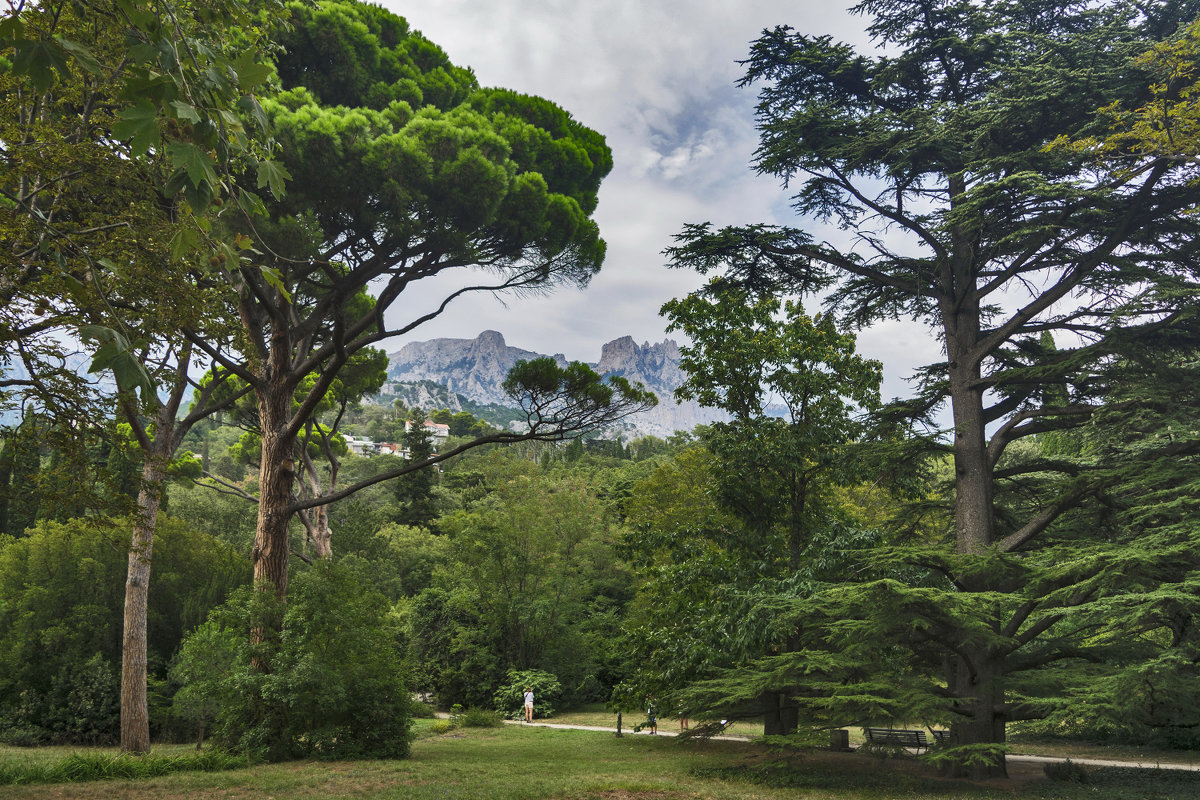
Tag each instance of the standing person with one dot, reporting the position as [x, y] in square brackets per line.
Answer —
[528, 704]
[685, 722]
[652, 715]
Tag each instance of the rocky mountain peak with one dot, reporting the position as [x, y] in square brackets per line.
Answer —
[617, 355]
[489, 341]
[476, 369]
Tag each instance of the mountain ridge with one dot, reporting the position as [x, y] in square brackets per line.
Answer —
[476, 368]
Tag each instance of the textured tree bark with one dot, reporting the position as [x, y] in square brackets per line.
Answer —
[980, 685]
[276, 476]
[277, 470]
[975, 677]
[321, 536]
[135, 715]
[973, 519]
[318, 517]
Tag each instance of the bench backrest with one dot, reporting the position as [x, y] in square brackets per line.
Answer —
[898, 736]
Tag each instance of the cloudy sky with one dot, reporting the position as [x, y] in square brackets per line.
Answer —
[656, 78]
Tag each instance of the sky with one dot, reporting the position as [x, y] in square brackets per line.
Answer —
[657, 79]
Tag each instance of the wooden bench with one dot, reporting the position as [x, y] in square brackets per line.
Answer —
[897, 737]
[941, 737]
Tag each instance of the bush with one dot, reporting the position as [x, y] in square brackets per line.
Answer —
[510, 699]
[81, 705]
[332, 686]
[453, 651]
[90, 712]
[422, 710]
[1067, 771]
[440, 726]
[480, 718]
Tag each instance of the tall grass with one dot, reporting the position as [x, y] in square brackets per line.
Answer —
[79, 767]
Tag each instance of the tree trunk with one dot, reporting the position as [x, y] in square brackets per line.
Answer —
[135, 715]
[276, 476]
[318, 516]
[780, 715]
[973, 518]
[321, 536]
[980, 687]
[975, 676]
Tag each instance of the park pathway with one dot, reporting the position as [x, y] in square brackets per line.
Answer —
[1088, 762]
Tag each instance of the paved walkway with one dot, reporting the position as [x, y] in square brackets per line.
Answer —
[729, 737]
[1088, 762]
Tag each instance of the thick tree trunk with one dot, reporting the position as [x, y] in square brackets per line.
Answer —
[780, 714]
[980, 685]
[973, 519]
[135, 715]
[276, 479]
[975, 676]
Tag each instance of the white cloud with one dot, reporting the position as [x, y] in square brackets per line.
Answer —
[657, 78]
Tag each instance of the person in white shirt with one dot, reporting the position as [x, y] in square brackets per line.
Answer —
[528, 704]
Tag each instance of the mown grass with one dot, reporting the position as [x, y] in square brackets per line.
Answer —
[531, 763]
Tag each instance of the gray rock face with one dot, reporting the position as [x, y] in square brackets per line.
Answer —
[476, 368]
[422, 394]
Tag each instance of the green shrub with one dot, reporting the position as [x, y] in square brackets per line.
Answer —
[421, 710]
[440, 726]
[547, 692]
[90, 712]
[480, 718]
[333, 685]
[454, 654]
[81, 704]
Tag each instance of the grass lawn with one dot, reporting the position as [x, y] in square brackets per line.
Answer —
[512, 763]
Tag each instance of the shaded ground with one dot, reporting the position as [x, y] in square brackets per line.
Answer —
[541, 762]
[1018, 764]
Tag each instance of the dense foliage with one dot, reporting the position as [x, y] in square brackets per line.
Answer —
[336, 687]
[817, 560]
[1039, 266]
[61, 598]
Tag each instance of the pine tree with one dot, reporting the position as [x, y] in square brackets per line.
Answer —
[995, 236]
[414, 491]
